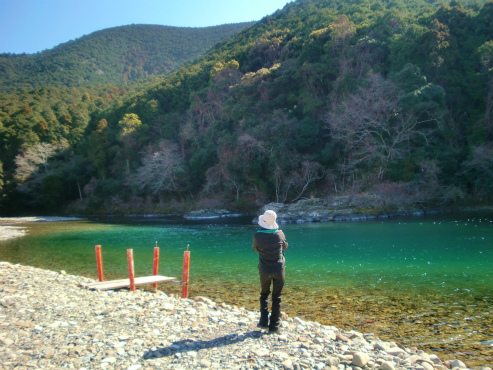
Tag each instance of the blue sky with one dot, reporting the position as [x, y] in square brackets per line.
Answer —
[30, 26]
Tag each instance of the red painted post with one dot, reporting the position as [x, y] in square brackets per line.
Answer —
[99, 262]
[155, 266]
[131, 272]
[186, 267]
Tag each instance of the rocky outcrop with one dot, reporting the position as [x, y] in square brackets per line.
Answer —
[204, 214]
[336, 209]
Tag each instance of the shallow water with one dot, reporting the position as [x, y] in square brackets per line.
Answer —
[423, 281]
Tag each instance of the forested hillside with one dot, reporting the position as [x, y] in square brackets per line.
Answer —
[114, 55]
[388, 100]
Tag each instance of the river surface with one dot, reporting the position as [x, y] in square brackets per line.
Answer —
[420, 281]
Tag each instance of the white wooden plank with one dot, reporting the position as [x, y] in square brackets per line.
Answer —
[125, 283]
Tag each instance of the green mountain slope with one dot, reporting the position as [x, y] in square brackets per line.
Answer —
[114, 55]
[387, 101]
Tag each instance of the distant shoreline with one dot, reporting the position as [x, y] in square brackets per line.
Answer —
[20, 220]
[304, 211]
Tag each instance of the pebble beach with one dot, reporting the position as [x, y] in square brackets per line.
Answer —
[8, 231]
[49, 321]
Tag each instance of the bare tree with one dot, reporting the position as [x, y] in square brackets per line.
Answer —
[309, 173]
[218, 176]
[235, 184]
[299, 179]
[214, 178]
[371, 127]
[428, 186]
[208, 106]
[248, 148]
[481, 162]
[160, 170]
[277, 177]
[33, 160]
[33, 164]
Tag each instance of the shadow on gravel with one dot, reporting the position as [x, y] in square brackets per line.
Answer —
[187, 345]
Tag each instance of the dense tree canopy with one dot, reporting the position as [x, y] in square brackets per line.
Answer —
[114, 55]
[320, 98]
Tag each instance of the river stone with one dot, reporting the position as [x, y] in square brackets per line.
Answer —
[204, 363]
[23, 324]
[387, 365]
[204, 300]
[435, 359]
[287, 364]
[333, 361]
[49, 353]
[307, 362]
[360, 359]
[427, 366]
[262, 352]
[458, 363]
[6, 341]
[297, 320]
[395, 351]
[280, 355]
[342, 338]
[381, 346]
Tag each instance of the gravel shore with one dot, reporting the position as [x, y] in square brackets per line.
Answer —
[48, 321]
[8, 232]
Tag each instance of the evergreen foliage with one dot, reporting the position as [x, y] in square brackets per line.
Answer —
[114, 55]
[388, 99]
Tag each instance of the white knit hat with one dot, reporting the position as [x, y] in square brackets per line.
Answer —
[268, 220]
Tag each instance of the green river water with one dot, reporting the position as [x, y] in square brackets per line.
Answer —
[422, 281]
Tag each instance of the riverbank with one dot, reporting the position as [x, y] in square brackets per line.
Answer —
[338, 209]
[7, 231]
[333, 209]
[84, 329]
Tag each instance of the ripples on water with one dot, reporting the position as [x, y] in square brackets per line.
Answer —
[424, 281]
